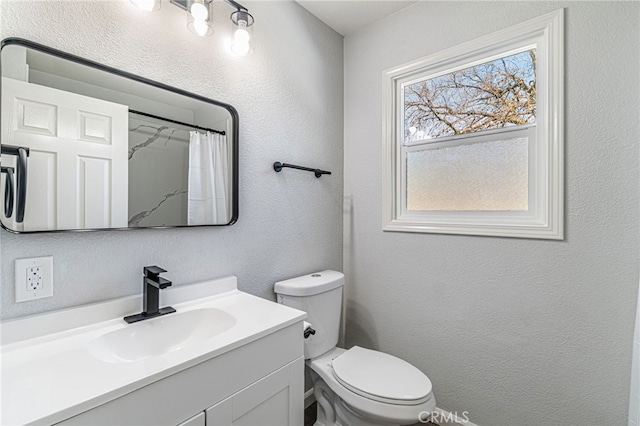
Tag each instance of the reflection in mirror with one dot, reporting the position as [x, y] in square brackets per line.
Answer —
[104, 149]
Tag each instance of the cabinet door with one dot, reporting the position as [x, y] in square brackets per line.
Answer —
[275, 400]
[197, 420]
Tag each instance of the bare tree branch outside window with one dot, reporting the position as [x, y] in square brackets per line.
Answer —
[492, 95]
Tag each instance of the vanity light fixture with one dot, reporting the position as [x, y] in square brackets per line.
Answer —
[199, 20]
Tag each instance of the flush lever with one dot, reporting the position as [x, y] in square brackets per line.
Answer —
[308, 332]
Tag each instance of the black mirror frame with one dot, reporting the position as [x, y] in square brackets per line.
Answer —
[234, 115]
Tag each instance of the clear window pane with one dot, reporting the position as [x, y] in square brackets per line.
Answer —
[496, 94]
[479, 176]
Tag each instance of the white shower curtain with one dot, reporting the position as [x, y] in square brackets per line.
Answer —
[208, 179]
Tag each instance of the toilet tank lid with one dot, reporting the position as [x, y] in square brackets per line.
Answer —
[308, 285]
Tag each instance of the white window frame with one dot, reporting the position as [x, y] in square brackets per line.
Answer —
[544, 218]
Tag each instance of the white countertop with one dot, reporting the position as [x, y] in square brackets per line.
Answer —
[48, 375]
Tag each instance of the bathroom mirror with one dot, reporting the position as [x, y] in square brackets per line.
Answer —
[88, 147]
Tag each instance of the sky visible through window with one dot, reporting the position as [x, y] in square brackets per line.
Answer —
[491, 95]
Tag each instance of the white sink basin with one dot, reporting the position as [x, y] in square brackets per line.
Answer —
[160, 335]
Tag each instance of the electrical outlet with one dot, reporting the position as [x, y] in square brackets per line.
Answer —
[34, 278]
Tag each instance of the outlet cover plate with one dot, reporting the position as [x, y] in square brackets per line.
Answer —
[26, 292]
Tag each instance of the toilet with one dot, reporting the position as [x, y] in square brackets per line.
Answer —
[357, 386]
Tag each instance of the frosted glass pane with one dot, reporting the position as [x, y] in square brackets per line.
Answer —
[480, 176]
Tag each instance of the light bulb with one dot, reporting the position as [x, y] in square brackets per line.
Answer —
[242, 30]
[241, 35]
[200, 27]
[241, 48]
[240, 43]
[147, 5]
[199, 12]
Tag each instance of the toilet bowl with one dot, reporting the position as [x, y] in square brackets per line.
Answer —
[358, 386]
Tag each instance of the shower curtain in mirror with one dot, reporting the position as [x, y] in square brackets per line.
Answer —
[208, 179]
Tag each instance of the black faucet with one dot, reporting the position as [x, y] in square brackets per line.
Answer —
[152, 283]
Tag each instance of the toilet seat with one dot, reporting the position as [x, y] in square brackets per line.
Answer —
[372, 411]
[381, 377]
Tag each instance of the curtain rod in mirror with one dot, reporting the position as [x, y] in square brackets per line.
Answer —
[157, 117]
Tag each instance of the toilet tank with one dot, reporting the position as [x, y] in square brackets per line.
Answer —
[320, 296]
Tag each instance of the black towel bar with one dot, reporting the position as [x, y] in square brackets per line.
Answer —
[278, 166]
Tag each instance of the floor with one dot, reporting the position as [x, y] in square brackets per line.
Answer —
[310, 417]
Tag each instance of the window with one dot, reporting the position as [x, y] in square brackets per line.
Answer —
[473, 137]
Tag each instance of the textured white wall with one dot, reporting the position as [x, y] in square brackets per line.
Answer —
[289, 97]
[634, 389]
[514, 331]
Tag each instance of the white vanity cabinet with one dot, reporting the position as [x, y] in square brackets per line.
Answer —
[263, 403]
[258, 383]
